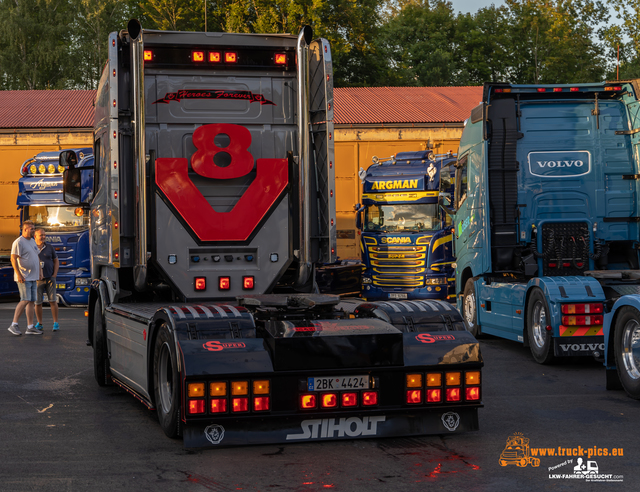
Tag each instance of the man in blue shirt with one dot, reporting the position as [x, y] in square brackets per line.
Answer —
[50, 264]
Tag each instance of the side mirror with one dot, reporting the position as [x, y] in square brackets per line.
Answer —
[445, 203]
[358, 220]
[77, 182]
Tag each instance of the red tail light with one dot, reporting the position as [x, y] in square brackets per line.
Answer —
[370, 398]
[148, 55]
[574, 89]
[594, 308]
[596, 319]
[542, 89]
[218, 405]
[200, 283]
[281, 58]
[215, 56]
[260, 403]
[224, 283]
[557, 89]
[197, 56]
[349, 399]
[196, 406]
[472, 393]
[240, 404]
[414, 397]
[453, 394]
[308, 401]
[247, 283]
[329, 400]
[434, 395]
[231, 57]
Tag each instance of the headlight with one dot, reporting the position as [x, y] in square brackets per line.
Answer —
[83, 281]
[366, 280]
[435, 281]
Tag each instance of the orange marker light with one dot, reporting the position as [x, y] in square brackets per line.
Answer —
[414, 380]
[218, 389]
[472, 377]
[197, 56]
[261, 387]
[240, 388]
[434, 379]
[453, 379]
[195, 390]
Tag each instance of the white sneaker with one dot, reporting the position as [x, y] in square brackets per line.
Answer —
[32, 331]
[14, 330]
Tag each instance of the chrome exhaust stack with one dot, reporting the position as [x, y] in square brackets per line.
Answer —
[139, 153]
[304, 155]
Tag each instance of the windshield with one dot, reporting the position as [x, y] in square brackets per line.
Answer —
[53, 218]
[419, 217]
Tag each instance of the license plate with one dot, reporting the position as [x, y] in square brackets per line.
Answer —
[397, 296]
[60, 286]
[338, 383]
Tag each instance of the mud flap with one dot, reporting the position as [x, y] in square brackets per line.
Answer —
[278, 430]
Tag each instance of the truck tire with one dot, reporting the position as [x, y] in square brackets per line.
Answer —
[540, 339]
[469, 307]
[166, 382]
[101, 370]
[627, 349]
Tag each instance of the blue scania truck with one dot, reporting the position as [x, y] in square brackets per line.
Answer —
[406, 240]
[40, 200]
[547, 221]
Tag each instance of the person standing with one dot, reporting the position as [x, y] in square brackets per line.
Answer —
[50, 263]
[26, 272]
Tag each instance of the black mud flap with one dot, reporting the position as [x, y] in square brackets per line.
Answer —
[278, 430]
[579, 346]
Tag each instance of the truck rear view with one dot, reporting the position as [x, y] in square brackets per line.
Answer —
[213, 201]
[547, 216]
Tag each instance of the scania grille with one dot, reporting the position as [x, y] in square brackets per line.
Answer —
[398, 265]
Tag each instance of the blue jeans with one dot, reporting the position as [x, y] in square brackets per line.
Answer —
[28, 290]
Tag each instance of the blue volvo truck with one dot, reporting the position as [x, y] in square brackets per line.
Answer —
[546, 222]
[40, 199]
[406, 239]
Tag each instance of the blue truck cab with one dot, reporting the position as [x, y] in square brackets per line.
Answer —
[546, 222]
[405, 235]
[40, 199]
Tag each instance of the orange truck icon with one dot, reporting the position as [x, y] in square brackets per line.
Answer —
[517, 452]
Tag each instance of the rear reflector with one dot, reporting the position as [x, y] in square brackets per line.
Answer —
[196, 406]
[218, 405]
[240, 404]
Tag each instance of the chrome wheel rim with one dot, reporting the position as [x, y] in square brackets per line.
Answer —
[539, 322]
[631, 348]
[165, 378]
[469, 308]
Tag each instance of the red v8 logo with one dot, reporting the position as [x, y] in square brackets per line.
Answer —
[238, 224]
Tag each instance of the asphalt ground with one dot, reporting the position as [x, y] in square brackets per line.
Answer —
[59, 431]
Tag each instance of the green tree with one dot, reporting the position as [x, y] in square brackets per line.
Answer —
[628, 12]
[35, 44]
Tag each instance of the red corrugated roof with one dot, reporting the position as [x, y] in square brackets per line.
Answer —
[361, 105]
[46, 109]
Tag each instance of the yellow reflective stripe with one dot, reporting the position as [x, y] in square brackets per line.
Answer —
[399, 197]
[441, 241]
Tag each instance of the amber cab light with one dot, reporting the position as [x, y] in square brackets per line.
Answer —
[200, 283]
[218, 389]
[197, 56]
[218, 405]
[215, 57]
[453, 394]
[414, 380]
[434, 395]
[434, 379]
[414, 396]
[261, 387]
[247, 283]
[281, 58]
[260, 403]
[308, 401]
[224, 283]
[240, 404]
[195, 390]
[329, 400]
[196, 406]
[240, 388]
[148, 55]
[472, 393]
[472, 377]
[349, 399]
[453, 379]
[231, 57]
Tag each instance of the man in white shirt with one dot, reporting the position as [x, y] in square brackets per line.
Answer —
[26, 272]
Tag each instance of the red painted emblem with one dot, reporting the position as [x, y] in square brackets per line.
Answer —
[238, 224]
[429, 338]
